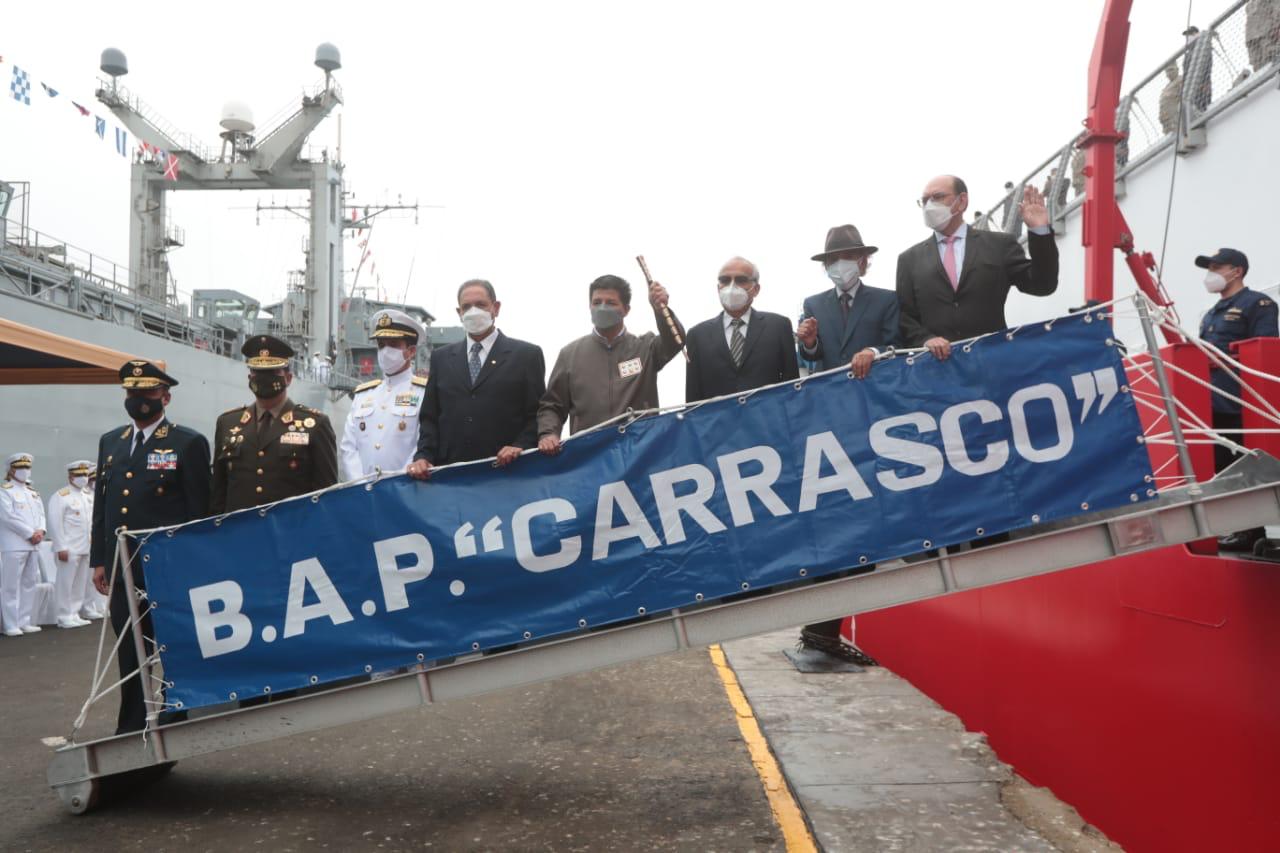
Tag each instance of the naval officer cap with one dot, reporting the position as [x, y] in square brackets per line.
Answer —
[390, 323]
[144, 374]
[20, 460]
[263, 352]
[80, 466]
[1230, 257]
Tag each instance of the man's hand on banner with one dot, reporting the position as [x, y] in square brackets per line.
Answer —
[549, 444]
[861, 364]
[940, 347]
[419, 469]
[507, 455]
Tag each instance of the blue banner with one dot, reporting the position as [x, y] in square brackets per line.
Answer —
[737, 494]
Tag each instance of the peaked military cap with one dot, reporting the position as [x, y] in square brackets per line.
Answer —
[390, 323]
[263, 352]
[144, 374]
[20, 460]
[80, 466]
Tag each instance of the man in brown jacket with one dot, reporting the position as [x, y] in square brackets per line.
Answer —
[605, 373]
[273, 448]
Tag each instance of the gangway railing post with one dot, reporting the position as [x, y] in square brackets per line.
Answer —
[150, 692]
[1171, 412]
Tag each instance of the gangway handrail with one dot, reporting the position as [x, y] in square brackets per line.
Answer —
[1246, 494]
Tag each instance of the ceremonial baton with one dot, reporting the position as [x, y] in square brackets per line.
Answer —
[666, 311]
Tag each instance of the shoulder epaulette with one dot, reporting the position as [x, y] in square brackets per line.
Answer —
[420, 381]
[64, 491]
[372, 383]
[7, 485]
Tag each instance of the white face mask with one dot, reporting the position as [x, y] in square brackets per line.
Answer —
[734, 298]
[937, 215]
[477, 321]
[845, 273]
[22, 474]
[391, 360]
[1214, 282]
[80, 482]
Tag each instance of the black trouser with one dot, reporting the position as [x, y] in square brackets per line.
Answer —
[133, 710]
[1224, 456]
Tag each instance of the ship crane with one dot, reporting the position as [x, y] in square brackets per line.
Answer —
[270, 161]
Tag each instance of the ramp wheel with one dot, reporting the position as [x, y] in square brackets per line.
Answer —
[82, 796]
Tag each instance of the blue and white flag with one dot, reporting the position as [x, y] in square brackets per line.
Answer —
[20, 86]
[799, 480]
[122, 142]
[100, 127]
[48, 90]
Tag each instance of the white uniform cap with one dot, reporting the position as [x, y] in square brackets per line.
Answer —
[80, 466]
[22, 460]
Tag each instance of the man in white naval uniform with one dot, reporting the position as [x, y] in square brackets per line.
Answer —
[21, 532]
[70, 518]
[381, 432]
[95, 603]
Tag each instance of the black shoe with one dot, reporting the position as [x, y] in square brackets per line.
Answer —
[835, 647]
[1242, 540]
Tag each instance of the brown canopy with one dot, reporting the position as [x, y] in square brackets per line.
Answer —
[31, 356]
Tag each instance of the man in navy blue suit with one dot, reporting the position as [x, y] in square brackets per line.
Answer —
[851, 321]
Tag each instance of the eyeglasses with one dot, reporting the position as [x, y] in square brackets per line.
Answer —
[735, 279]
[939, 197]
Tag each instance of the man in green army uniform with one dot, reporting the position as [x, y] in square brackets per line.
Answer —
[272, 448]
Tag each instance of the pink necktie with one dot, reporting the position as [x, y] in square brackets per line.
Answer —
[949, 260]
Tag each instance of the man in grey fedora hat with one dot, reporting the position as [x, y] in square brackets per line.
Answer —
[846, 324]
[850, 321]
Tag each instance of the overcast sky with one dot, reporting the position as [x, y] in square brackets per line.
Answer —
[562, 139]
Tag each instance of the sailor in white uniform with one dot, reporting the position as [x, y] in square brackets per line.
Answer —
[70, 517]
[95, 603]
[381, 431]
[22, 529]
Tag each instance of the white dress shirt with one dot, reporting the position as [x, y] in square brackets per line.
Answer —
[962, 235]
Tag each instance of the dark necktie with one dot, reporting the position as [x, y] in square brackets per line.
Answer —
[474, 363]
[846, 303]
[736, 341]
[138, 440]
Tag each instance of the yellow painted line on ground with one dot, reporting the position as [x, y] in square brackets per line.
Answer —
[786, 811]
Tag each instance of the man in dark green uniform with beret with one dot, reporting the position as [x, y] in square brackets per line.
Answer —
[273, 448]
[151, 473]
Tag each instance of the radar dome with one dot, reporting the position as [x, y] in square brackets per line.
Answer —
[114, 63]
[237, 117]
[328, 58]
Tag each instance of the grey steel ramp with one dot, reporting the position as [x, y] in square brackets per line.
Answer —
[1247, 496]
[874, 763]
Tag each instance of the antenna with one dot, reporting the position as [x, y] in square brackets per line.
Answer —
[114, 64]
[329, 60]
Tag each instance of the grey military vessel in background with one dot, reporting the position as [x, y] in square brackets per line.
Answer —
[50, 285]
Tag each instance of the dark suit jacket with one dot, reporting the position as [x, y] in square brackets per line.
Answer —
[294, 454]
[993, 262]
[460, 423]
[768, 356]
[873, 322]
[167, 483]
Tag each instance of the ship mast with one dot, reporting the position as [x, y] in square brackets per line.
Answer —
[268, 162]
[1105, 228]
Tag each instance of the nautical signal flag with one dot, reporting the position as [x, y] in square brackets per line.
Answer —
[100, 126]
[48, 90]
[83, 111]
[171, 168]
[20, 86]
[122, 142]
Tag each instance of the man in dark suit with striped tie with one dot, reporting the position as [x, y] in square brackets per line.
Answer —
[851, 321]
[740, 348]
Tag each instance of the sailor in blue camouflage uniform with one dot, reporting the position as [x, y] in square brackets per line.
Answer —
[151, 473]
[1239, 314]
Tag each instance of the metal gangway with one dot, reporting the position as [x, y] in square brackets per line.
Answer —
[1183, 510]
